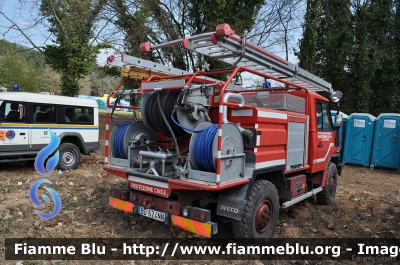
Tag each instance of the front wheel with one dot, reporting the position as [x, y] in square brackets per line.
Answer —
[328, 193]
[70, 156]
[260, 213]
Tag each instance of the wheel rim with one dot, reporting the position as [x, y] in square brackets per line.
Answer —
[68, 158]
[264, 216]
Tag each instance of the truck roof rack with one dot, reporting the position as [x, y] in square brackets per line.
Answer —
[223, 45]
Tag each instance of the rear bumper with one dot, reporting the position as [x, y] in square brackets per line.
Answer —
[121, 205]
[203, 229]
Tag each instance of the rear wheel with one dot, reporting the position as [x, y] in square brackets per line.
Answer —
[328, 193]
[260, 213]
[70, 156]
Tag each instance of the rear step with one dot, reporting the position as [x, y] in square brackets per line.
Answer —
[301, 197]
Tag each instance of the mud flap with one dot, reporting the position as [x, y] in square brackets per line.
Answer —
[339, 168]
[231, 202]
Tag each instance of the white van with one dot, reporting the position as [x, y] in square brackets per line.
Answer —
[26, 118]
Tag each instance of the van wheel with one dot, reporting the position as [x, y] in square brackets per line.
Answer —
[328, 193]
[260, 213]
[70, 156]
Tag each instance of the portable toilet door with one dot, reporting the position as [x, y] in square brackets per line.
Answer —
[358, 139]
[385, 151]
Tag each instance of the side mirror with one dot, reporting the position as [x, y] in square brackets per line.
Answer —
[336, 96]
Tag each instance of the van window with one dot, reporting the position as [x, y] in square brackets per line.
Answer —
[44, 114]
[78, 115]
[12, 112]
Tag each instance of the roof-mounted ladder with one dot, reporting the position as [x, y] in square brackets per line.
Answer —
[223, 45]
[128, 62]
[140, 68]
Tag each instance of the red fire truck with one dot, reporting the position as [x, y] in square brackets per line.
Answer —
[206, 147]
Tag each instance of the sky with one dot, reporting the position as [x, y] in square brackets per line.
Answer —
[23, 16]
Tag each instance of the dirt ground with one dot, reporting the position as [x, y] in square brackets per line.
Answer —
[367, 205]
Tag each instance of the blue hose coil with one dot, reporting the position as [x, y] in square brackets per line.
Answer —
[203, 152]
[185, 128]
[118, 141]
[203, 146]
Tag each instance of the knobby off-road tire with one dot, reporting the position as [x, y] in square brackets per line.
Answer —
[70, 156]
[260, 213]
[328, 193]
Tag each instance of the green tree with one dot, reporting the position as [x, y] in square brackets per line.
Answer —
[204, 16]
[383, 51]
[310, 45]
[24, 67]
[362, 67]
[327, 42]
[337, 42]
[72, 23]
[396, 53]
[353, 45]
[159, 21]
[374, 69]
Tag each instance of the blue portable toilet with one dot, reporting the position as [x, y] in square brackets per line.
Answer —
[386, 146]
[358, 139]
[342, 130]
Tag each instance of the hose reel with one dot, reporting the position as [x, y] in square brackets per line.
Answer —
[203, 148]
[128, 134]
[188, 109]
[151, 115]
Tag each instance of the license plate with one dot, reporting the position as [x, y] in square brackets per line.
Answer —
[156, 215]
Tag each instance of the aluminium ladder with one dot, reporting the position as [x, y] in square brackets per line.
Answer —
[223, 45]
[128, 61]
[138, 67]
